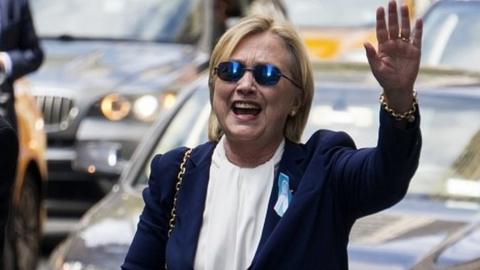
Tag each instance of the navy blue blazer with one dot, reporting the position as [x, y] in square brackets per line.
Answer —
[333, 184]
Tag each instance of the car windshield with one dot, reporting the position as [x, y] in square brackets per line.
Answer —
[340, 13]
[146, 20]
[447, 170]
[452, 35]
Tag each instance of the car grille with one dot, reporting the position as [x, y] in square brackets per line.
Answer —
[56, 111]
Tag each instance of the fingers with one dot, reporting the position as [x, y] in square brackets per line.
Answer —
[405, 30]
[382, 32]
[417, 34]
[394, 31]
[392, 20]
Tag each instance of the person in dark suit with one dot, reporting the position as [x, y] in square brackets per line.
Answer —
[254, 197]
[8, 161]
[20, 52]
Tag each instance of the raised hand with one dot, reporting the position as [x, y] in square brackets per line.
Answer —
[395, 65]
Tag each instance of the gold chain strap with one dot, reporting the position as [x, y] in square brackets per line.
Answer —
[408, 115]
[181, 173]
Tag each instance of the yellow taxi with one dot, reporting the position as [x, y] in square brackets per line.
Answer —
[27, 213]
[336, 30]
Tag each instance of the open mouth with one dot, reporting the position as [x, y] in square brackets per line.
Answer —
[245, 107]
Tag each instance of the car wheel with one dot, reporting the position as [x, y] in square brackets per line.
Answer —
[23, 231]
[8, 257]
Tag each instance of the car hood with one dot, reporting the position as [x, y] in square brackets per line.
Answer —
[90, 68]
[105, 232]
[414, 232]
[398, 238]
[79, 73]
[359, 75]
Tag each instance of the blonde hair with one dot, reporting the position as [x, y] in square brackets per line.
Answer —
[300, 68]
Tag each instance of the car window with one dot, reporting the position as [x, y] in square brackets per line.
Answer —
[146, 20]
[344, 111]
[451, 36]
[450, 169]
[187, 128]
[340, 13]
[447, 170]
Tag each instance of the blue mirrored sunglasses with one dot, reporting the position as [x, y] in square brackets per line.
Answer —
[264, 74]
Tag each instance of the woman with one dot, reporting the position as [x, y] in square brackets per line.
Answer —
[254, 197]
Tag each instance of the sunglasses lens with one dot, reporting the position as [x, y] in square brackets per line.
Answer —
[230, 71]
[266, 74]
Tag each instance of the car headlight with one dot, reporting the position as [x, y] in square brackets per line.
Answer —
[145, 107]
[115, 107]
[168, 100]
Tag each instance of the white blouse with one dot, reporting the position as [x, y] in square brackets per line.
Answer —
[235, 210]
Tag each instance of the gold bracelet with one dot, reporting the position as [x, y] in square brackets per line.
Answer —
[408, 115]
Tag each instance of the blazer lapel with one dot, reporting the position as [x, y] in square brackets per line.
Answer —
[290, 165]
[190, 205]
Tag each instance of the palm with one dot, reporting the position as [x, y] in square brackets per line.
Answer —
[397, 64]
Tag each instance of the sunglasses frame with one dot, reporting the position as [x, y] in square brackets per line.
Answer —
[244, 69]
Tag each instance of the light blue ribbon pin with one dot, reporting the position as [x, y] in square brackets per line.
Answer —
[284, 194]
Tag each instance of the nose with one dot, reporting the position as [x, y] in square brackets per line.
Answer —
[246, 85]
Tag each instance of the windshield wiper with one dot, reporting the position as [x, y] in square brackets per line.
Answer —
[68, 37]
[62, 37]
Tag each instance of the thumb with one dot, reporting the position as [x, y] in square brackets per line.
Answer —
[371, 54]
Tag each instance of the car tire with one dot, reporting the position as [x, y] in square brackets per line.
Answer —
[23, 229]
[8, 257]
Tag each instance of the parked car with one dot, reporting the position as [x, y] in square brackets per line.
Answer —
[452, 35]
[431, 225]
[336, 30]
[27, 213]
[111, 68]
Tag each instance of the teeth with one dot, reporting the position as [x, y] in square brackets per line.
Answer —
[245, 105]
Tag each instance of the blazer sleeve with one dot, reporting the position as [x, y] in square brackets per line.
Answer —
[368, 180]
[26, 55]
[147, 250]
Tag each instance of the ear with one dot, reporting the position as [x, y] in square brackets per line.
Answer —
[297, 103]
